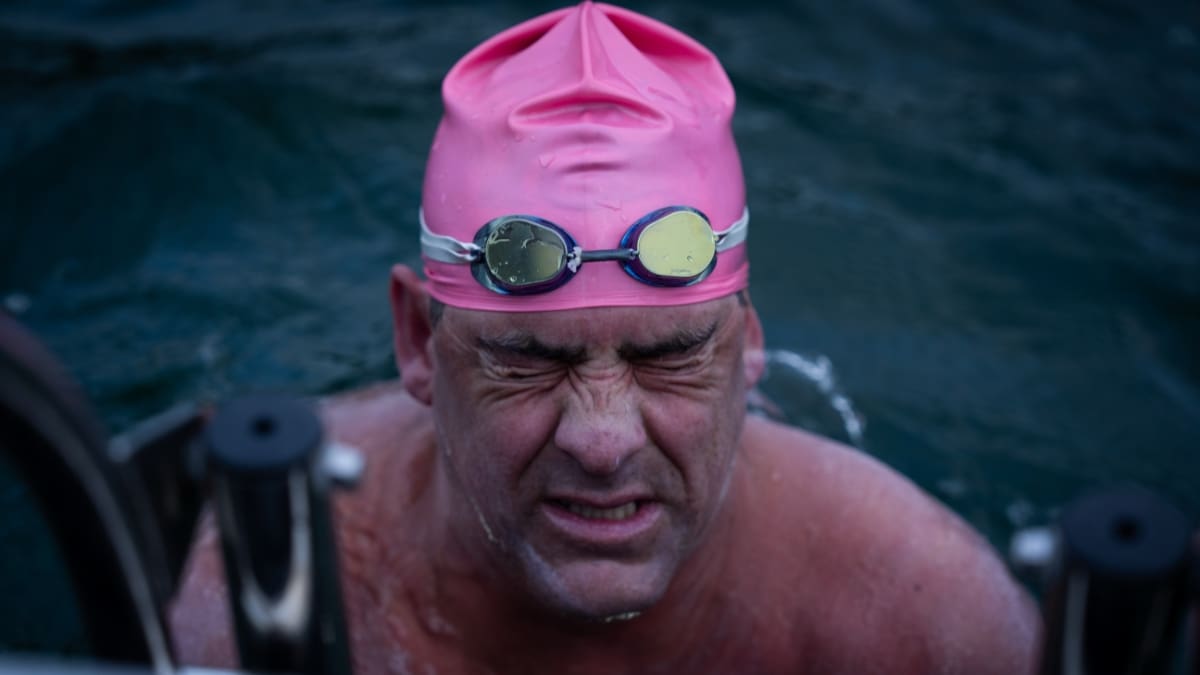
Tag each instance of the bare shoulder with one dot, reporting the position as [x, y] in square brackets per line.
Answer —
[847, 486]
[875, 557]
[395, 435]
[371, 417]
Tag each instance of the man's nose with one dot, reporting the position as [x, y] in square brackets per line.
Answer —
[601, 426]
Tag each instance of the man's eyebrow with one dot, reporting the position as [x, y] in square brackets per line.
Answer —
[522, 344]
[679, 343]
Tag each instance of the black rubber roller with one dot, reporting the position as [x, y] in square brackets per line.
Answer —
[272, 506]
[1116, 600]
[263, 434]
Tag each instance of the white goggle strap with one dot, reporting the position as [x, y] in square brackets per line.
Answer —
[443, 248]
[736, 234]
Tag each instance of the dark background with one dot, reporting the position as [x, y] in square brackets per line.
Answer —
[975, 224]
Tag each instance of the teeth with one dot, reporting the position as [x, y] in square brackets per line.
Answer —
[619, 513]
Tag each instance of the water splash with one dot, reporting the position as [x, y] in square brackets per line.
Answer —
[803, 390]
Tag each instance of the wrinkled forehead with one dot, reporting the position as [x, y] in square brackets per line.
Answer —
[592, 326]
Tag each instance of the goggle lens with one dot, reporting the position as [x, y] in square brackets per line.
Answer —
[679, 246]
[521, 254]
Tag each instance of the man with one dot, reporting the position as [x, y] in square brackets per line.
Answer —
[566, 479]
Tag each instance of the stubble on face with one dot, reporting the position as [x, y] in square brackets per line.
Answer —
[537, 412]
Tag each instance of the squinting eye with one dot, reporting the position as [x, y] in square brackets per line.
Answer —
[519, 372]
[670, 365]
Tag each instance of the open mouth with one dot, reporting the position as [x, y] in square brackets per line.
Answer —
[612, 526]
[621, 512]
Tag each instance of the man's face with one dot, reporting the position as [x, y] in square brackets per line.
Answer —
[594, 446]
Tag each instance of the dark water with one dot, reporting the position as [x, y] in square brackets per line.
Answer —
[982, 218]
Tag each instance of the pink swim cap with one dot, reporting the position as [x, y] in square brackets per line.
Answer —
[590, 117]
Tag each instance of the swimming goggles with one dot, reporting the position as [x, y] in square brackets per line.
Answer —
[522, 255]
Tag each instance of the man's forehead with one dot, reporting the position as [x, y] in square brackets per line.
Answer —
[593, 326]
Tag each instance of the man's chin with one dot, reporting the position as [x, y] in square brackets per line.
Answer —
[596, 611]
[598, 591]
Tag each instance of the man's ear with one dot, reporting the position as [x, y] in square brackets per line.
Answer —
[754, 359]
[411, 330]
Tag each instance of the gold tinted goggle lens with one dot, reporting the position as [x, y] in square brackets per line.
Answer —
[522, 253]
[674, 246]
[674, 249]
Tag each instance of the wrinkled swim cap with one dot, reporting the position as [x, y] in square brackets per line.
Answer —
[590, 117]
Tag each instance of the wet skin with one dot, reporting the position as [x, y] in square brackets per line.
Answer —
[537, 474]
[599, 446]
